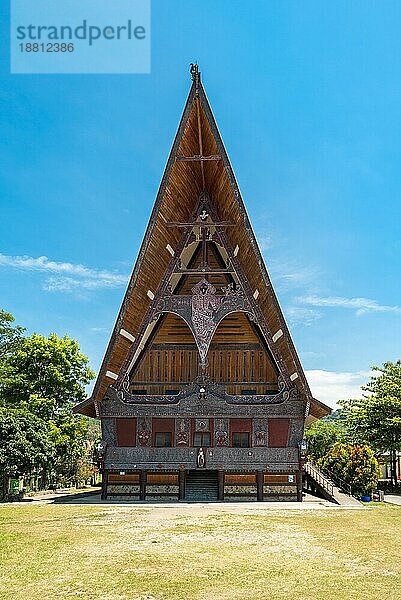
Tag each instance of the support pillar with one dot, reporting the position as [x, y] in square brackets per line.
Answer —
[259, 485]
[220, 491]
[142, 485]
[299, 486]
[181, 484]
[105, 481]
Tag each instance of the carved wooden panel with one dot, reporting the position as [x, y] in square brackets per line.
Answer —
[221, 432]
[109, 435]
[260, 432]
[144, 431]
[182, 432]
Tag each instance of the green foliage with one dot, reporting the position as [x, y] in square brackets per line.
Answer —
[321, 436]
[354, 464]
[25, 446]
[68, 435]
[10, 338]
[40, 380]
[10, 334]
[376, 418]
[52, 369]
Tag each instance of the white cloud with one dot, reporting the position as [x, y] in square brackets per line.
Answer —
[299, 315]
[65, 276]
[287, 275]
[264, 241]
[361, 305]
[331, 386]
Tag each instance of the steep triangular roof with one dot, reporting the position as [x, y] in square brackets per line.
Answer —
[198, 163]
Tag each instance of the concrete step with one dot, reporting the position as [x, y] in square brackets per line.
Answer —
[201, 486]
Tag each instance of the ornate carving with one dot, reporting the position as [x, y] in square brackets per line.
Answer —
[201, 424]
[221, 432]
[204, 310]
[260, 432]
[272, 459]
[182, 432]
[109, 431]
[187, 404]
[296, 432]
[221, 438]
[204, 306]
[126, 383]
[144, 431]
[200, 460]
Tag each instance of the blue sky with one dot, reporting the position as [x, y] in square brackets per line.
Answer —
[307, 96]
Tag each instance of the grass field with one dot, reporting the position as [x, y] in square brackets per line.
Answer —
[128, 553]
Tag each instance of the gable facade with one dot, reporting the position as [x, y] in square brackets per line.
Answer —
[201, 393]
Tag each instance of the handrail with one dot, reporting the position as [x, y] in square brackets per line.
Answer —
[340, 483]
[319, 478]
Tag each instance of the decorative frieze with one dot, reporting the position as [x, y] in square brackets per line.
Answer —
[164, 459]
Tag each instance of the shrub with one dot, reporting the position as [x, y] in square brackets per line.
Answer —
[356, 465]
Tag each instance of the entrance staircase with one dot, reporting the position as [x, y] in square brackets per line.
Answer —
[201, 486]
[324, 485]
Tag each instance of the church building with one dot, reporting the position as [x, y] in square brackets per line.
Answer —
[201, 394]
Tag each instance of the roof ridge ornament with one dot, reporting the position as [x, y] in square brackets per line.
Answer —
[195, 74]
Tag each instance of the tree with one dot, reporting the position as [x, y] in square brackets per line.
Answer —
[354, 464]
[321, 436]
[68, 434]
[25, 446]
[48, 374]
[41, 378]
[376, 418]
[10, 339]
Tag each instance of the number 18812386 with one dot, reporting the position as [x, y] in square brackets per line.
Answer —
[46, 47]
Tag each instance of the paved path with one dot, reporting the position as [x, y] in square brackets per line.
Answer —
[392, 499]
[92, 497]
[201, 508]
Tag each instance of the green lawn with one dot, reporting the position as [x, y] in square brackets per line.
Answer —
[129, 553]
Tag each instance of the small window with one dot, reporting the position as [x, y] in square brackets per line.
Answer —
[240, 439]
[202, 439]
[248, 392]
[136, 392]
[172, 392]
[163, 439]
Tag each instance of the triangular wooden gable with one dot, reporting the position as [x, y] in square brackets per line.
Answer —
[198, 177]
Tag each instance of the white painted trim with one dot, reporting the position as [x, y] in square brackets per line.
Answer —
[111, 375]
[169, 248]
[294, 376]
[256, 294]
[277, 335]
[236, 250]
[127, 335]
[150, 294]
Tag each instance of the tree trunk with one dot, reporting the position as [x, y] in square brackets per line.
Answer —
[393, 468]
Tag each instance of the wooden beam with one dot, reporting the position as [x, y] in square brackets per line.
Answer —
[199, 224]
[203, 271]
[197, 158]
[200, 140]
